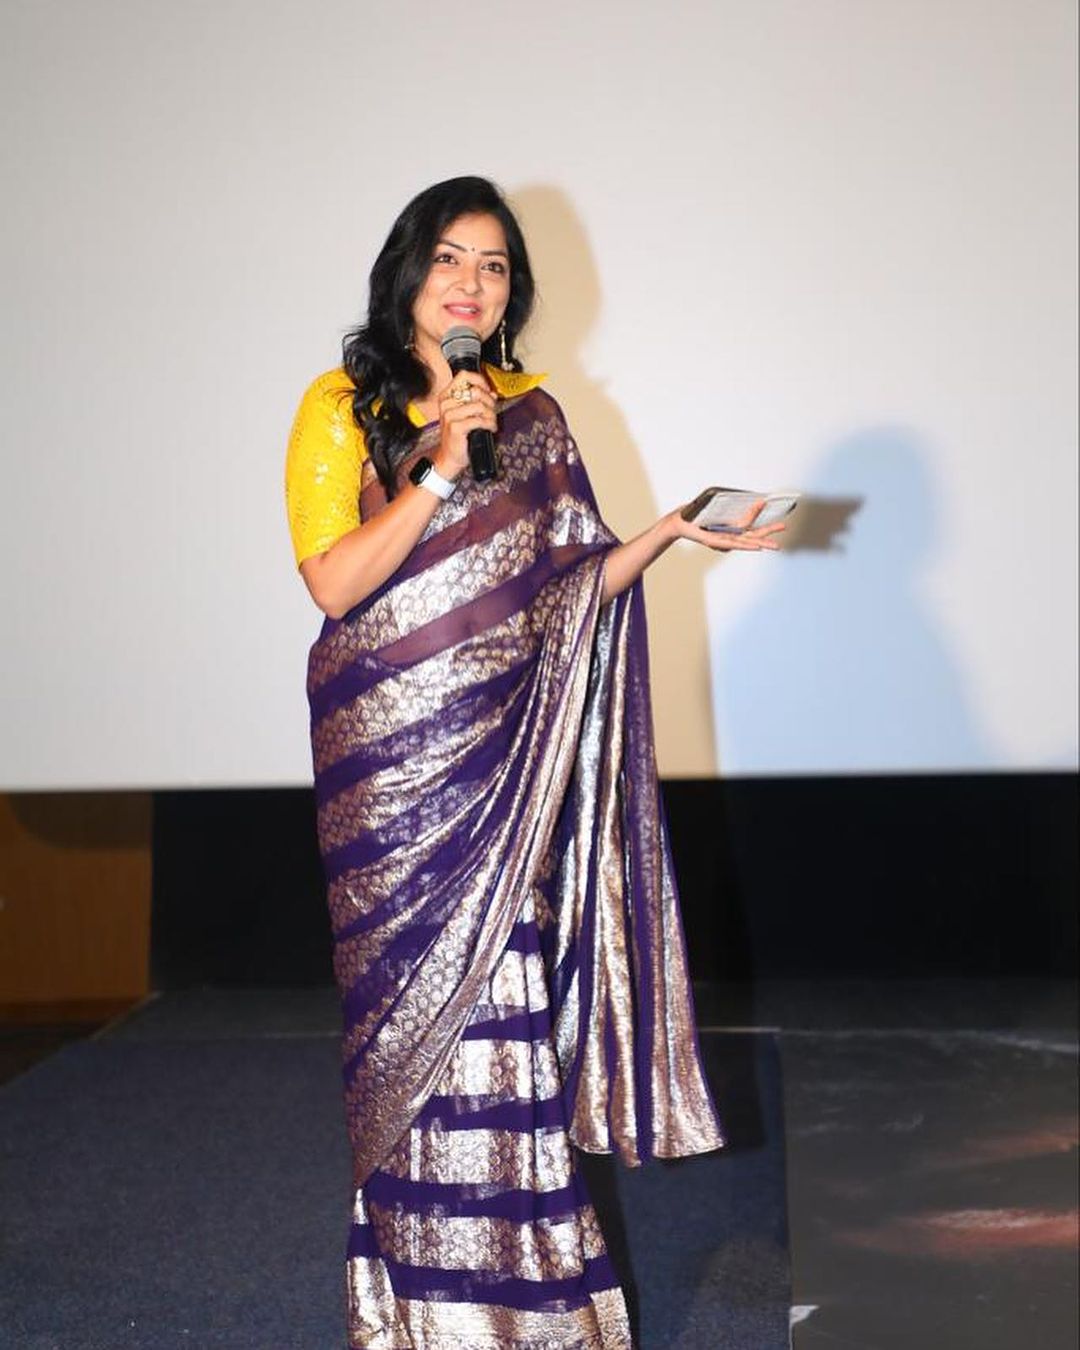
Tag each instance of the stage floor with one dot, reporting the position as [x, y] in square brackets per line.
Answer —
[902, 1174]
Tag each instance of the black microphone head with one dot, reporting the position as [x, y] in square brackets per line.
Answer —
[461, 343]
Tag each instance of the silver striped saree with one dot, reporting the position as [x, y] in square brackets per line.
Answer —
[506, 930]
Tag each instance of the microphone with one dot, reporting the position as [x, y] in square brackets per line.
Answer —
[461, 347]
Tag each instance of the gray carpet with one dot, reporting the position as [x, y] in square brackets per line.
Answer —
[183, 1180]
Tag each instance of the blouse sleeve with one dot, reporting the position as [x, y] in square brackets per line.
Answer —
[322, 466]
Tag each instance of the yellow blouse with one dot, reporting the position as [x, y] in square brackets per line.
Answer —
[326, 451]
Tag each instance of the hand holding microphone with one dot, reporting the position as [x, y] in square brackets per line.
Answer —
[467, 405]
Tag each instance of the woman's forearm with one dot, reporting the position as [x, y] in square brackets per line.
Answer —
[626, 562]
[360, 561]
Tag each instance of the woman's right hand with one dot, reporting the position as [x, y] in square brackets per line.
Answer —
[459, 416]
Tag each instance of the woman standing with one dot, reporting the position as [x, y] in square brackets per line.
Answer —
[507, 938]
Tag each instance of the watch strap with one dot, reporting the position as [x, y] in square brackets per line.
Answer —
[424, 474]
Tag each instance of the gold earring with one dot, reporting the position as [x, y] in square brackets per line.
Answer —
[506, 365]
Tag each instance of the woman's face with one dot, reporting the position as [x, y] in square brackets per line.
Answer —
[469, 283]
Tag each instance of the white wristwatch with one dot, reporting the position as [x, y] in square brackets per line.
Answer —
[424, 474]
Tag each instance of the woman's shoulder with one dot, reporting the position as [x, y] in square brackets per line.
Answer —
[524, 387]
[332, 388]
[541, 404]
[325, 413]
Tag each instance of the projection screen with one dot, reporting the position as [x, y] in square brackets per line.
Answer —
[827, 245]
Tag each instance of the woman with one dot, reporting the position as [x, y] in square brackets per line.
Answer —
[506, 931]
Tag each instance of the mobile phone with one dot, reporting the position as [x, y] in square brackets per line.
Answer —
[720, 508]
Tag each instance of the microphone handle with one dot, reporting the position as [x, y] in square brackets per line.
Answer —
[482, 461]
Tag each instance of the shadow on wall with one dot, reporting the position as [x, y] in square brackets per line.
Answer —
[568, 305]
[840, 664]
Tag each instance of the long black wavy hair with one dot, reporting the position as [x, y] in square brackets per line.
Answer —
[375, 354]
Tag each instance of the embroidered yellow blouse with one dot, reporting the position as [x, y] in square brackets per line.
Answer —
[326, 451]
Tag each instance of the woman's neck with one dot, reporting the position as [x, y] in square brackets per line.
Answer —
[429, 354]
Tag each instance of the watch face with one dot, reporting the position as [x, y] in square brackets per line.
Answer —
[420, 470]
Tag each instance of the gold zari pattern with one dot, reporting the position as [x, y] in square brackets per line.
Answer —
[506, 1160]
[436, 1325]
[489, 822]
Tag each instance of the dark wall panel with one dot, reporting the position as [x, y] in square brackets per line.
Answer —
[948, 875]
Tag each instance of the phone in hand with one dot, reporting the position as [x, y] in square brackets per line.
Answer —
[721, 508]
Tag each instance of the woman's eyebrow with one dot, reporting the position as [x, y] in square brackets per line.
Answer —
[485, 252]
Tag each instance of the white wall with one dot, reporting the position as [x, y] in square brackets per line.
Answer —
[829, 245]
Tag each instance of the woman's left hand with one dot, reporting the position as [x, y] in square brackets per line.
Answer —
[624, 563]
[724, 540]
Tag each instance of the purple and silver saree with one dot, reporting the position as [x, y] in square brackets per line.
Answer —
[507, 938]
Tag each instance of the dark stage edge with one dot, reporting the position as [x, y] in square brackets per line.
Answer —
[181, 1178]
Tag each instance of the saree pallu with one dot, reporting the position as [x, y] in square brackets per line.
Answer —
[506, 930]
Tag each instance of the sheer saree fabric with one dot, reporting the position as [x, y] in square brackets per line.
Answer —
[507, 939]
